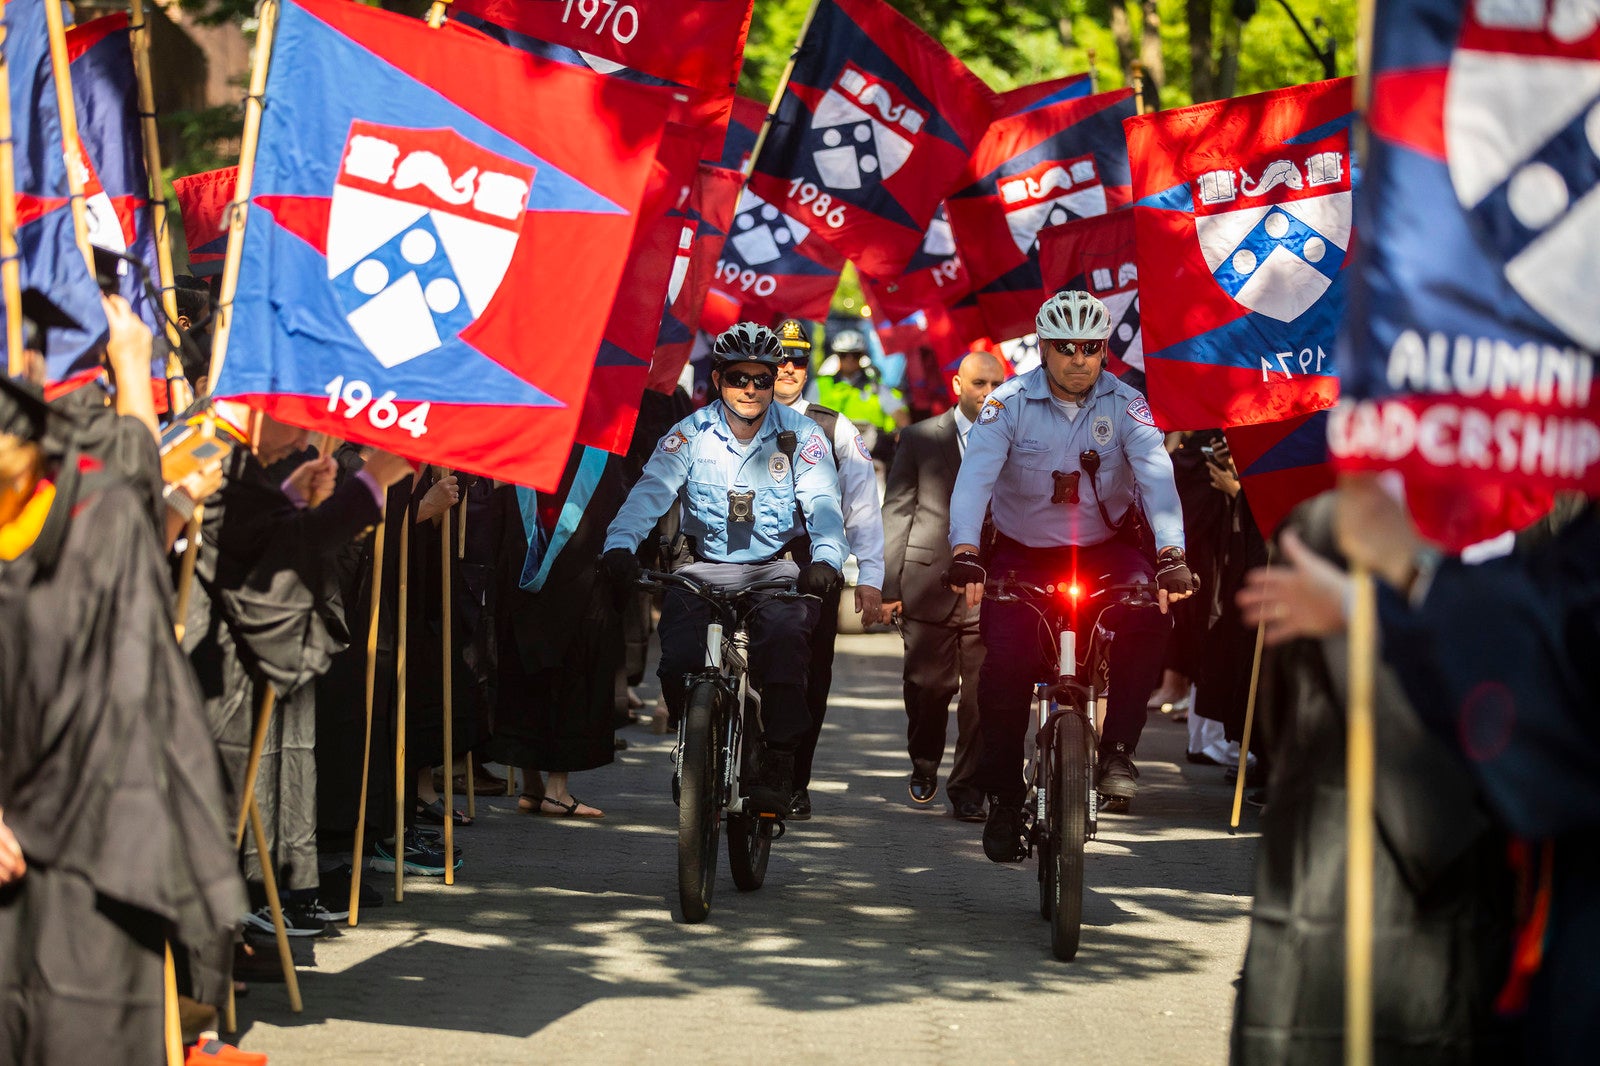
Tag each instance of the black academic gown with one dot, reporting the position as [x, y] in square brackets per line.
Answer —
[1503, 662]
[1442, 894]
[111, 783]
[265, 609]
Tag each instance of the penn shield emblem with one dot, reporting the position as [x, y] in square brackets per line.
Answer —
[1117, 286]
[1048, 195]
[1524, 150]
[816, 449]
[421, 231]
[762, 233]
[1139, 410]
[866, 127]
[1274, 232]
[1101, 430]
[991, 411]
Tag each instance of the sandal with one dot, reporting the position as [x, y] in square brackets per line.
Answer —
[528, 802]
[433, 814]
[567, 810]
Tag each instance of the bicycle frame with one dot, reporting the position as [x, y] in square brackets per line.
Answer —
[1048, 707]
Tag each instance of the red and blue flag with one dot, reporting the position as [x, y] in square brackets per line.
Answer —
[1032, 170]
[1281, 465]
[694, 47]
[1099, 255]
[744, 127]
[1473, 327]
[1043, 94]
[438, 226]
[622, 364]
[203, 201]
[935, 277]
[704, 220]
[1243, 214]
[774, 265]
[874, 129]
[117, 186]
[51, 260]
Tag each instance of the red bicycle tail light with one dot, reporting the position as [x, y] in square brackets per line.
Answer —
[1074, 591]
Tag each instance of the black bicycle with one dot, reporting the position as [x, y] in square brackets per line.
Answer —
[713, 754]
[1068, 711]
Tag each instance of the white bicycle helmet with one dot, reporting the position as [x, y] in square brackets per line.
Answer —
[848, 342]
[1073, 315]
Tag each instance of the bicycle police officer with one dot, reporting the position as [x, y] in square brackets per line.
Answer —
[1063, 456]
[751, 476]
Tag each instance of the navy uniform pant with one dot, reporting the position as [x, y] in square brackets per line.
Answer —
[779, 656]
[1020, 651]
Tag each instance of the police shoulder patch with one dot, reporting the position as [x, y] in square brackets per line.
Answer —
[991, 411]
[1140, 410]
[816, 449]
[861, 446]
[673, 441]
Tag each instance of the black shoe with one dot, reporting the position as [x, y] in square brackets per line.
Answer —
[800, 806]
[1118, 775]
[299, 919]
[967, 811]
[335, 887]
[773, 789]
[924, 783]
[1002, 833]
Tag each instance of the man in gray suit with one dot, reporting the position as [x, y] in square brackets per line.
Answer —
[943, 648]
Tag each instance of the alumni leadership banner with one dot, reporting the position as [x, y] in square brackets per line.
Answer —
[438, 224]
[1473, 327]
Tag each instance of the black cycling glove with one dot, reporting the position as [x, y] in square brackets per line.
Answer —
[620, 567]
[965, 570]
[1174, 575]
[818, 579]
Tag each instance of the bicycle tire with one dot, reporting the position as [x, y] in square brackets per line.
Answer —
[699, 803]
[1043, 834]
[1070, 805]
[749, 845]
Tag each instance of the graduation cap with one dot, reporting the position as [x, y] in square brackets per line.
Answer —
[23, 412]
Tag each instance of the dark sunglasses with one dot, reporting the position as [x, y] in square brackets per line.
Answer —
[738, 379]
[794, 360]
[1078, 347]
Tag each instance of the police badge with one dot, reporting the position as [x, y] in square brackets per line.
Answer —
[1101, 431]
[778, 467]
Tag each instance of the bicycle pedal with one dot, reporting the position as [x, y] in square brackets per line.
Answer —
[1114, 804]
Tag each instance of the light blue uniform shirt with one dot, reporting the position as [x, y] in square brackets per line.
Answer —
[699, 461]
[1022, 436]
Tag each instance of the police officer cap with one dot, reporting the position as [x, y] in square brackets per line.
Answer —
[746, 342]
[792, 335]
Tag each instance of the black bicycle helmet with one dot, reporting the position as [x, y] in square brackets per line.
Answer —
[746, 342]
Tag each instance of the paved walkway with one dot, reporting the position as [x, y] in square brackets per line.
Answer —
[882, 935]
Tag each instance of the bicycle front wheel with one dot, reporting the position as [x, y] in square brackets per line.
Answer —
[1069, 803]
[699, 803]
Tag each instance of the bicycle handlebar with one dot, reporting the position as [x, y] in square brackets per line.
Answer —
[661, 579]
[1015, 590]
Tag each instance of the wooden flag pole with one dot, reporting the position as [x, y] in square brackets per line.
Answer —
[139, 37]
[1359, 770]
[71, 147]
[373, 618]
[269, 881]
[10, 260]
[253, 766]
[1136, 79]
[1094, 72]
[1361, 745]
[400, 788]
[783, 85]
[445, 563]
[1249, 722]
[436, 13]
[237, 210]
